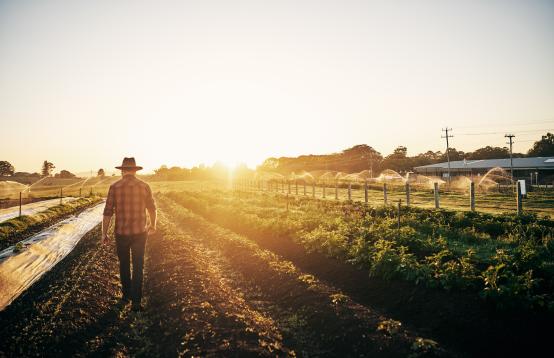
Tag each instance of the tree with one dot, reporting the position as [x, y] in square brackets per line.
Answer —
[489, 152]
[65, 174]
[543, 147]
[453, 154]
[6, 168]
[47, 168]
[101, 172]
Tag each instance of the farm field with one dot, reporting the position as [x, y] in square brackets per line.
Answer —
[238, 273]
[209, 291]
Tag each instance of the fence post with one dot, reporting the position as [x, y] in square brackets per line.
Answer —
[436, 191]
[519, 199]
[365, 191]
[282, 186]
[287, 202]
[61, 195]
[324, 190]
[407, 194]
[296, 186]
[349, 191]
[288, 186]
[304, 187]
[385, 198]
[80, 192]
[313, 189]
[472, 196]
[399, 205]
[336, 190]
[20, 203]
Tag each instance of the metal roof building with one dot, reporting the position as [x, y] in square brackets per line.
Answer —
[522, 166]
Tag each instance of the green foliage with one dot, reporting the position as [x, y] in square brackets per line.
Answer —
[6, 168]
[506, 259]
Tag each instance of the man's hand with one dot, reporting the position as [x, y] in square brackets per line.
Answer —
[106, 239]
[151, 230]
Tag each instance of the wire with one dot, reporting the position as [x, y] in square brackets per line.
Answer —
[516, 132]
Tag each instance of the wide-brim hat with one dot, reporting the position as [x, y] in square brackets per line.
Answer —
[129, 164]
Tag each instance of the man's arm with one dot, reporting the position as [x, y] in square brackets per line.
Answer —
[106, 221]
[108, 213]
[151, 207]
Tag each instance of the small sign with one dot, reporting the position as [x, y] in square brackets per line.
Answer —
[522, 186]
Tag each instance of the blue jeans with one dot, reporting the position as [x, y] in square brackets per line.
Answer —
[128, 245]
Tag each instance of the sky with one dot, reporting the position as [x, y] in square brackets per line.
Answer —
[85, 83]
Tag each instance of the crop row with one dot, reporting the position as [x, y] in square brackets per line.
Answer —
[506, 259]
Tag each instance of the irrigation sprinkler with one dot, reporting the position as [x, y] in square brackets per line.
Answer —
[519, 198]
[472, 196]
[436, 192]
[336, 190]
[365, 191]
[349, 191]
[385, 193]
[407, 194]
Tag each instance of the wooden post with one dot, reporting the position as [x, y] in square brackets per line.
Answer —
[349, 191]
[296, 186]
[80, 192]
[304, 188]
[288, 186]
[336, 190]
[282, 186]
[365, 191]
[287, 202]
[323, 190]
[519, 198]
[20, 202]
[313, 189]
[61, 195]
[407, 194]
[436, 191]
[385, 198]
[472, 196]
[399, 205]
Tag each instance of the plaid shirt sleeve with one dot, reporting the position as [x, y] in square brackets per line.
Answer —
[149, 200]
[110, 202]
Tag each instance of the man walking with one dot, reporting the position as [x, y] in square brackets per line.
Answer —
[129, 198]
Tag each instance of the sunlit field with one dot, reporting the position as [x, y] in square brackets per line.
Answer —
[303, 179]
[335, 254]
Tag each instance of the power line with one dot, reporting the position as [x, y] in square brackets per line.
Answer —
[493, 133]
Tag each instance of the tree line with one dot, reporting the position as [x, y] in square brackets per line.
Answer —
[364, 157]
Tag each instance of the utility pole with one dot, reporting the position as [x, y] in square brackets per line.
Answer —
[510, 137]
[447, 149]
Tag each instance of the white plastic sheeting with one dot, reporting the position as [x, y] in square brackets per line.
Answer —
[30, 209]
[19, 270]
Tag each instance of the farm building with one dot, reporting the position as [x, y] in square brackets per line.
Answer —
[539, 168]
